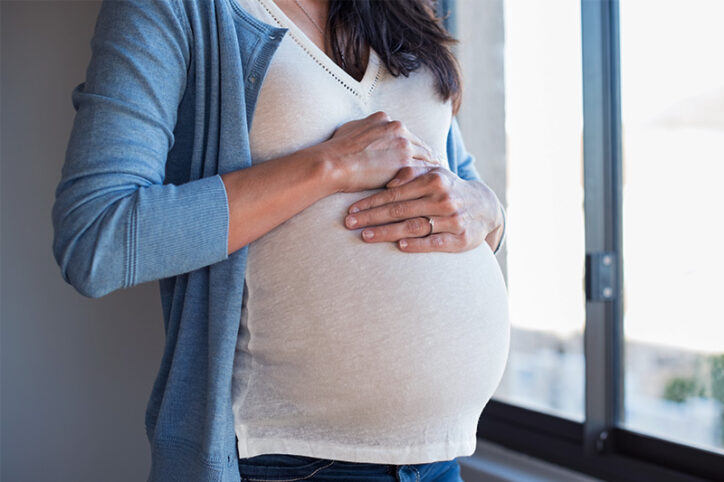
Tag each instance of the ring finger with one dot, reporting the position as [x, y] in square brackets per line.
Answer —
[417, 227]
[394, 211]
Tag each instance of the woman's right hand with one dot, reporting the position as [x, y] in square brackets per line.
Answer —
[366, 153]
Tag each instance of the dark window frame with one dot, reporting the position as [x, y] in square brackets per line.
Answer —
[599, 446]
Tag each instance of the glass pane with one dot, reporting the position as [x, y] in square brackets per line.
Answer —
[522, 118]
[672, 84]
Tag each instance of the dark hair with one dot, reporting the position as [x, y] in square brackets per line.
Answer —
[405, 34]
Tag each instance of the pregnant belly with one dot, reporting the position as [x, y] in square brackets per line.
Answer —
[337, 326]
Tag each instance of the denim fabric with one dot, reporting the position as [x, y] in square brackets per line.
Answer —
[288, 468]
[164, 110]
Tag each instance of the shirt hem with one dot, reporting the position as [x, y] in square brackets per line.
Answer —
[415, 454]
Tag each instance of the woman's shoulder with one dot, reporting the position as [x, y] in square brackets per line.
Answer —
[214, 18]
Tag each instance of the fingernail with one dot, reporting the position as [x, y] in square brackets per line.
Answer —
[351, 220]
[368, 234]
[354, 210]
[403, 243]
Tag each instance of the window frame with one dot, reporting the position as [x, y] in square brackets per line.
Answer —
[599, 446]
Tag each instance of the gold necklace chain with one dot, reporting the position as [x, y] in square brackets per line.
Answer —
[309, 17]
[344, 62]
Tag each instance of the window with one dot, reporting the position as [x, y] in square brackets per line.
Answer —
[601, 128]
[540, 178]
[672, 105]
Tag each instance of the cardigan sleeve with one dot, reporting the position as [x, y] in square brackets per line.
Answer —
[116, 224]
[462, 163]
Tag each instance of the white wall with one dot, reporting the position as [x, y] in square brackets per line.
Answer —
[480, 29]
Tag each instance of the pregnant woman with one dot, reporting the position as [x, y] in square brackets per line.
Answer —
[332, 304]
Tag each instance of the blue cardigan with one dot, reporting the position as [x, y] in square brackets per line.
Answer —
[165, 109]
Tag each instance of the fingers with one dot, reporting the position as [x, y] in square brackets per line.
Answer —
[429, 154]
[411, 145]
[407, 174]
[446, 242]
[416, 227]
[379, 116]
[423, 153]
[391, 212]
[395, 128]
[400, 210]
[428, 183]
[413, 227]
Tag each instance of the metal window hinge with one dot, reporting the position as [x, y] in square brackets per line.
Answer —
[601, 276]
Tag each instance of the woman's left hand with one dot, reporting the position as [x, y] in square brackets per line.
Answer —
[464, 213]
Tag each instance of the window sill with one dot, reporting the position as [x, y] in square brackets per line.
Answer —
[495, 463]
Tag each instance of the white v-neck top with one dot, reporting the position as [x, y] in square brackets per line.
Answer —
[349, 350]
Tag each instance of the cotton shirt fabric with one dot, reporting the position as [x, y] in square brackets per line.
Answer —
[164, 110]
[350, 350]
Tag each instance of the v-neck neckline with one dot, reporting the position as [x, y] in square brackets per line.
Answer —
[363, 88]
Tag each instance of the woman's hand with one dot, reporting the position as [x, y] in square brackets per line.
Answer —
[366, 153]
[464, 213]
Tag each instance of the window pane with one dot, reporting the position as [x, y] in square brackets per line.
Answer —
[522, 118]
[672, 82]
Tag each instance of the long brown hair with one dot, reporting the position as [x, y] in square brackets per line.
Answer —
[405, 34]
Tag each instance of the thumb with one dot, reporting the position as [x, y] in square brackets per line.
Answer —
[407, 174]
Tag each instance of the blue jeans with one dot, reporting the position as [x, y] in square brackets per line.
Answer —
[288, 468]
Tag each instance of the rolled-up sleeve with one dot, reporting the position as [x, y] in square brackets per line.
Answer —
[462, 163]
[116, 224]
